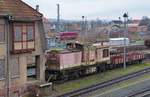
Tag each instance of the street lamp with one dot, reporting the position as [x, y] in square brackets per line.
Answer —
[125, 15]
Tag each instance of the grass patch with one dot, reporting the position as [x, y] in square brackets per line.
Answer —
[140, 42]
[97, 78]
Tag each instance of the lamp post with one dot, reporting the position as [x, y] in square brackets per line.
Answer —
[83, 23]
[125, 15]
[84, 28]
[119, 25]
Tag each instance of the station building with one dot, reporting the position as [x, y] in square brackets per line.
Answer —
[21, 45]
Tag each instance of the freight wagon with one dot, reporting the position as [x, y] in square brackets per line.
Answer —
[133, 57]
[129, 48]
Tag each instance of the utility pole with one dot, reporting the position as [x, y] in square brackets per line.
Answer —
[58, 17]
[125, 37]
[7, 72]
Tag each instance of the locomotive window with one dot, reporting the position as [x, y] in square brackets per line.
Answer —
[105, 53]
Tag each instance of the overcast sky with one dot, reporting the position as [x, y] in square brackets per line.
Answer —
[93, 9]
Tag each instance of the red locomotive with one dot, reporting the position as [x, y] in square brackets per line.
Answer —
[84, 60]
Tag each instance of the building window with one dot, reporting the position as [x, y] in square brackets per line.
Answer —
[30, 33]
[31, 67]
[15, 67]
[24, 37]
[17, 33]
[2, 68]
[2, 33]
[105, 53]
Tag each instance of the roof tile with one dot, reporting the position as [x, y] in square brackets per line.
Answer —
[19, 10]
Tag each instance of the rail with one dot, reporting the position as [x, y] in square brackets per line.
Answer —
[143, 92]
[95, 87]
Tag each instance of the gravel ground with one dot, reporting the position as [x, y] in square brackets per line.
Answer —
[90, 80]
[123, 91]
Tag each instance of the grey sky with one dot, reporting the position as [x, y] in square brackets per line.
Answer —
[93, 9]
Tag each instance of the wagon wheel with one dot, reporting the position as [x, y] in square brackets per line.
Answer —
[62, 77]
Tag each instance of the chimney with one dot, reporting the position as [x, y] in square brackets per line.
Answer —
[37, 7]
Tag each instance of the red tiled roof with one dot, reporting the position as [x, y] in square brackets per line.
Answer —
[19, 10]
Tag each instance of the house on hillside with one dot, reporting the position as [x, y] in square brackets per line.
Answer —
[21, 45]
[135, 26]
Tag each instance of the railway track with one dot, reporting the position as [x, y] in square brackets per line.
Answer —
[86, 90]
[142, 93]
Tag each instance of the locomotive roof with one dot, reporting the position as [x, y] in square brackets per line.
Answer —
[63, 50]
[127, 45]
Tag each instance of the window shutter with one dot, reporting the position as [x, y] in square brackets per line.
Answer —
[2, 33]
[15, 67]
[2, 68]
